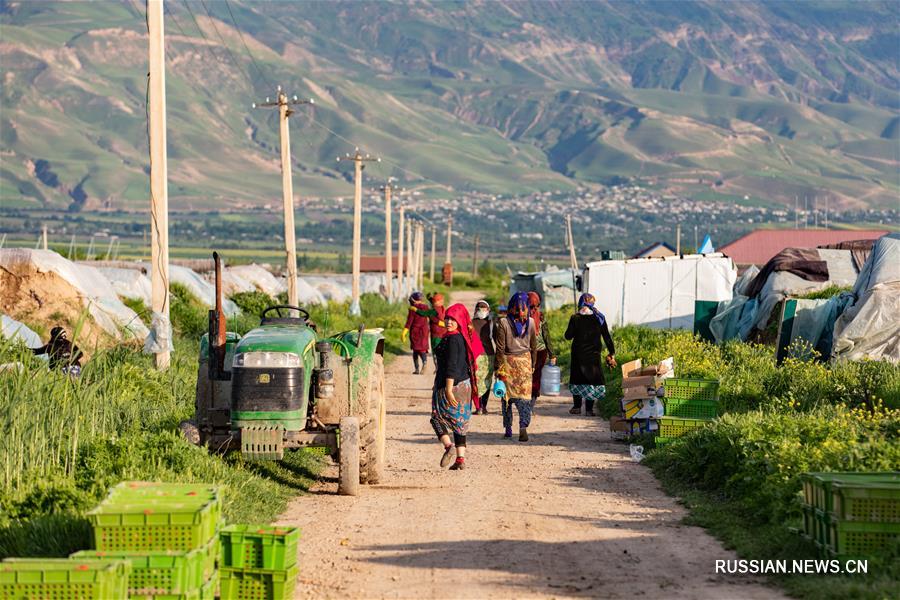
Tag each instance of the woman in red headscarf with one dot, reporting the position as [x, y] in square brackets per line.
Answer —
[542, 335]
[455, 391]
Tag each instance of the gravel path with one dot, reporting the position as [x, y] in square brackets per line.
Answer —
[567, 514]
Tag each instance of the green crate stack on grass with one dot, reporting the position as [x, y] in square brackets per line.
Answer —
[258, 562]
[689, 404]
[168, 532]
[63, 579]
[851, 515]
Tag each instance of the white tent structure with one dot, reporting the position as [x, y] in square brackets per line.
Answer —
[658, 292]
[870, 327]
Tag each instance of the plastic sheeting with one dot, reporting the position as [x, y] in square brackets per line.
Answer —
[198, 287]
[98, 295]
[15, 330]
[738, 317]
[659, 292]
[129, 283]
[870, 327]
[247, 278]
[555, 286]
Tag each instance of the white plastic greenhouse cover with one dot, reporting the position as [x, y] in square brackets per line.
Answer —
[257, 276]
[198, 286]
[658, 292]
[97, 294]
[12, 330]
[870, 328]
[129, 283]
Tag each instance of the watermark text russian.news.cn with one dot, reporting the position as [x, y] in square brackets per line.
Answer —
[792, 567]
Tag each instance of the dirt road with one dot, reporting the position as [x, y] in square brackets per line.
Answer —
[567, 514]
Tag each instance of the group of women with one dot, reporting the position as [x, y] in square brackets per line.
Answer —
[469, 352]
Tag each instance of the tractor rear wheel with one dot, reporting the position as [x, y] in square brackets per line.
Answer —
[372, 424]
[348, 477]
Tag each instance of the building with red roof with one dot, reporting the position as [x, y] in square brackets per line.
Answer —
[757, 247]
[375, 264]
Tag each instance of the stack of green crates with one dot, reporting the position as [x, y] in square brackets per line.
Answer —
[63, 579]
[169, 532]
[690, 403]
[851, 515]
[258, 562]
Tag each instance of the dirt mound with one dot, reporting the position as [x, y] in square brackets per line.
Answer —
[44, 299]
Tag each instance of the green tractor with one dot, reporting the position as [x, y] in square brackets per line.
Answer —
[281, 386]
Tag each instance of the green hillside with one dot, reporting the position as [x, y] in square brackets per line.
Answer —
[766, 99]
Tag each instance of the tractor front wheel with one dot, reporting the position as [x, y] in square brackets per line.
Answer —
[348, 478]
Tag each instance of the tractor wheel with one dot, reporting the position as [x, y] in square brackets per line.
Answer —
[348, 478]
[372, 425]
[190, 432]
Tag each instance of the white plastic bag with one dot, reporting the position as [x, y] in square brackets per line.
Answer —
[637, 452]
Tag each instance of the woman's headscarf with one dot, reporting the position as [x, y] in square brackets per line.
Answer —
[534, 305]
[437, 299]
[517, 313]
[416, 297]
[587, 302]
[474, 349]
[483, 304]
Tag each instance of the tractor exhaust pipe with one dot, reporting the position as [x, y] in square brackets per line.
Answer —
[217, 330]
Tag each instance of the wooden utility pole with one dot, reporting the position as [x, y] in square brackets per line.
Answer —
[409, 258]
[572, 259]
[388, 242]
[284, 105]
[401, 287]
[678, 239]
[475, 259]
[159, 177]
[44, 236]
[447, 271]
[431, 270]
[420, 255]
[358, 159]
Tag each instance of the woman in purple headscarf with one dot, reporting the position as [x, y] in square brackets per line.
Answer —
[586, 330]
[515, 347]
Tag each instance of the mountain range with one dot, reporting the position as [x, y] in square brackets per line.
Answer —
[757, 102]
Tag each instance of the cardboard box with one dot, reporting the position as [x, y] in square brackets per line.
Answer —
[643, 381]
[635, 392]
[631, 368]
[619, 424]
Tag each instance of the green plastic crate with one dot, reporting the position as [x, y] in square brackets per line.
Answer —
[852, 539]
[206, 592]
[677, 388]
[163, 572]
[817, 486]
[691, 409]
[127, 492]
[256, 584]
[874, 502]
[154, 525]
[671, 427]
[63, 579]
[258, 547]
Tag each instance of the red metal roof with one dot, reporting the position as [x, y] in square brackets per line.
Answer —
[375, 264]
[757, 247]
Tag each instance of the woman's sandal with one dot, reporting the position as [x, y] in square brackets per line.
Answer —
[459, 465]
[447, 457]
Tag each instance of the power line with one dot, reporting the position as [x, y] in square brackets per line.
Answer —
[247, 48]
[222, 39]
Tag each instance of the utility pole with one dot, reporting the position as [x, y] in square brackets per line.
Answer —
[159, 177]
[417, 266]
[388, 242]
[400, 270]
[572, 259]
[678, 239]
[696, 241]
[433, 236]
[448, 263]
[44, 236]
[358, 159]
[284, 105]
[475, 259]
[409, 258]
[420, 257]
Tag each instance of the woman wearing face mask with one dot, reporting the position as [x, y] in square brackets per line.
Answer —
[586, 330]
[482, 326]
[455, 391]
[515, 344]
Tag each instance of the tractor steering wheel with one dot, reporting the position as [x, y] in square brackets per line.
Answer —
[278, 308]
